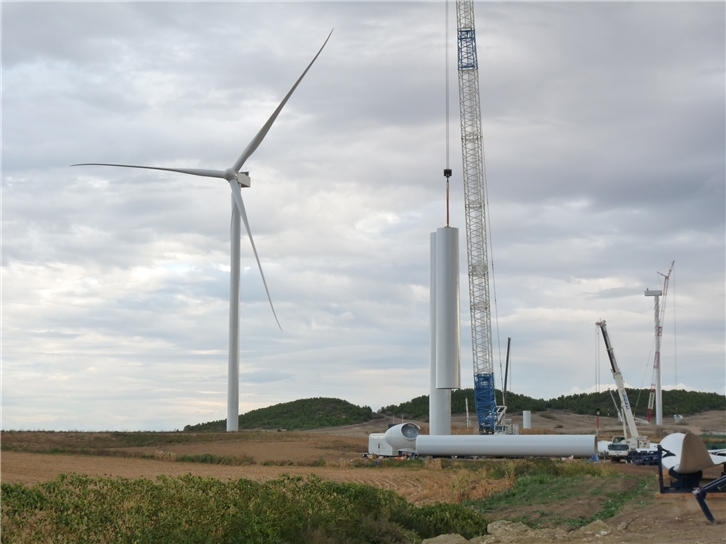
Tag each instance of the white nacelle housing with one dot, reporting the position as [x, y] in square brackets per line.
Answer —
[377, 445]
[244, 179]
[402, 437]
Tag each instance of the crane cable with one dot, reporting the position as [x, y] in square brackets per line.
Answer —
[446, 48]
[491, 260]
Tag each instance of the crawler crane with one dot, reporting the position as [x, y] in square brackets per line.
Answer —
[490, 415]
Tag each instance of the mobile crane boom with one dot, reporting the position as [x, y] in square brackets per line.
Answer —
[630, 430]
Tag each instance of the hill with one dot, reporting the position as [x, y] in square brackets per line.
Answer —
[674, 402]
[316, 413]
[303, 414]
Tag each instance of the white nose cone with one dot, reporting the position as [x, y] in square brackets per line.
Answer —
[402, 438]
[448, 335]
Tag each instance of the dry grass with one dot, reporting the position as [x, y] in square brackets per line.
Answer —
[470, 485]
[425, 484]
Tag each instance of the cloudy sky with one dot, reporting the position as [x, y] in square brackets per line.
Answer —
[604, 142]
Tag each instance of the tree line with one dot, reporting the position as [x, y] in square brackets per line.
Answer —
[674, 402]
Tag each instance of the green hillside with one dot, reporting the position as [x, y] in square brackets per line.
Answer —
[319, 412]
[300, 414]
[674, 402]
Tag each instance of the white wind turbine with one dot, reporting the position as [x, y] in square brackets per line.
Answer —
[236, 180]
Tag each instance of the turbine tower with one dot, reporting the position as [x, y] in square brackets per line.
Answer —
[236, 179]
[656, 394]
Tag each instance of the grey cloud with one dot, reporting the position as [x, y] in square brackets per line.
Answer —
[604, 138]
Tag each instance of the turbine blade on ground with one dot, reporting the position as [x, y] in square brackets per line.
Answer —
[257, 140]
[241, 209]
[694, 455]
[192, 171]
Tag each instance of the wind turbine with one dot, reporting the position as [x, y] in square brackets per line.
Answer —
[236, 180]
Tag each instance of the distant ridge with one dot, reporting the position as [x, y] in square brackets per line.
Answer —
[303, 414]
[676, 401]
[319, 412]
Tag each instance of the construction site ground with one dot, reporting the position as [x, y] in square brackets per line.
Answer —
[33, 457]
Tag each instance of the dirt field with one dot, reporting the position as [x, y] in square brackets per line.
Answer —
[668, 520]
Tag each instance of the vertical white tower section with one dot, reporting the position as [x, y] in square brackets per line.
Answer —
[439, 399]
[233, 364]
[448, 335]
[656, 393]
[445, 329]
[656, 361]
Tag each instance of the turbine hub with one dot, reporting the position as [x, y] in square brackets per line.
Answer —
[230, 174]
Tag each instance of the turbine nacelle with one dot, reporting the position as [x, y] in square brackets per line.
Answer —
[243, 178]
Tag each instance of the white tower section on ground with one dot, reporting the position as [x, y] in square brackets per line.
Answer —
[406, 438]
[445, 329]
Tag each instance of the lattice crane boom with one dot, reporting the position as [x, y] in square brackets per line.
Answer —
[475, 212]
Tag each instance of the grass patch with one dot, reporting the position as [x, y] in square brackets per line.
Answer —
[208, 458]
[640, 492]
[548, 493]
[714, 442]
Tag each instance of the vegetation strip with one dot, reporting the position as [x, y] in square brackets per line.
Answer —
[538, 492]
[77, 508]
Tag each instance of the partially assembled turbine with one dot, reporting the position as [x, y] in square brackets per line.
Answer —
[236, 179]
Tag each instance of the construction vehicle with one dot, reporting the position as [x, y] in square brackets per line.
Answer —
[631, 446]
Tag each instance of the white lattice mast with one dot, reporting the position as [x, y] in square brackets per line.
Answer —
[475, 212]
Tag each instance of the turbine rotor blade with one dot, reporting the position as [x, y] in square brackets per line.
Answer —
[192, 171]
[694, 455]
[257, 140]
[241, 209]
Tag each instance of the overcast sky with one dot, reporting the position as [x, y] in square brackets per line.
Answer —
[604, 141]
